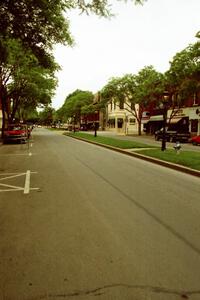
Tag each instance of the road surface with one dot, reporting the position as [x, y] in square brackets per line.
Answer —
[78, 221]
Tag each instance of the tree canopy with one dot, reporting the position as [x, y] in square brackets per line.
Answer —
[31, 28]
[77, 103]
[183, 77]
[132, 90]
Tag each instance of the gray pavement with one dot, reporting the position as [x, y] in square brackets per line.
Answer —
[150, 141]
[100, 225]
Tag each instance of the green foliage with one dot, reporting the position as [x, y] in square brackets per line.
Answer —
[149, 86]
[114, 142]
[76, 104]
[186, 158]
[29, 29]
[46, 116]
[143, 88]
[183, 77]
[26, 82]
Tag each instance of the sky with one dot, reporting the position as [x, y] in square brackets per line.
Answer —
[137, 36]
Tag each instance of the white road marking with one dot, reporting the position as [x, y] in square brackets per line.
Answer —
[27, 182]
[11, 186]
[17, 154]
[12, 176]
[14, 188]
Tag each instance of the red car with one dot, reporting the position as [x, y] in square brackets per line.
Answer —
[16, 133]
[195, 140]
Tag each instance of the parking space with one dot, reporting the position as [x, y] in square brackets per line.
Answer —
[17, 182]
[14, 161]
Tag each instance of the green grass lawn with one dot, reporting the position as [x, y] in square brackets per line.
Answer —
[109, 141]
[189, 159]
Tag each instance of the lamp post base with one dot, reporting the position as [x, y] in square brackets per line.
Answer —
[163, 148]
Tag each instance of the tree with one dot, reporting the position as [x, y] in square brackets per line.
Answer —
[183, 77]
[76, 104]
[37, 25]
[135, 91]
[24, 84]
[41, 24]
[46, 116]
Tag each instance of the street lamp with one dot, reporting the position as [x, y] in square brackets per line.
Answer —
[165, 103]
[74, 123]
[95, 124]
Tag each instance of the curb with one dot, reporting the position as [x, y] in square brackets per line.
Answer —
[144, 157]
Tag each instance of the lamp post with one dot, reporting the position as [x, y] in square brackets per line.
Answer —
[165, 103]
[95, 124]
[74, 123]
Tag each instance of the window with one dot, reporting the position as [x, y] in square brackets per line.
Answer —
[120, 123]
[111, 123]
[132, 121]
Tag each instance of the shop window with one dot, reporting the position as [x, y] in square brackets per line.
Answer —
[194, 125]
[120, 123]
[111, 123]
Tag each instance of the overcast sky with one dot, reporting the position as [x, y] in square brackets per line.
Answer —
[136, 37]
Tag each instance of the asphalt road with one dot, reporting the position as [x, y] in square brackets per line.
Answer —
[78, 221]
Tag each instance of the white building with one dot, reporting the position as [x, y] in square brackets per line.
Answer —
[120, 120]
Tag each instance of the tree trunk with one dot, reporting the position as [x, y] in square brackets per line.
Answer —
[3, 97]
[139, 128]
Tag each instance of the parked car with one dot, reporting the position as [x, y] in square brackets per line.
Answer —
[16, 133]
[172, 135]
[195, 140]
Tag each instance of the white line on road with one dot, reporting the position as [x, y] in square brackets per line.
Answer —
[17, 154]
[14, 188]
[11, 186]
[12, 176]
[27, 182]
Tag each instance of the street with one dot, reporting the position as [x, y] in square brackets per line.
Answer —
[83, 222]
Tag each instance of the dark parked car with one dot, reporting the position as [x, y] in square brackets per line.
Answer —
[16, 133]
[172, 135]
[195, 140]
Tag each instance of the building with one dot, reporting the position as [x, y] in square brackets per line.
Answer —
[120, 119]
[188, 115]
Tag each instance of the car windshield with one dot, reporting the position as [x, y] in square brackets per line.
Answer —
[16, 127]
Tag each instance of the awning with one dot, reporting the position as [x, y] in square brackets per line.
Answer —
[145, 121]
[156, 118]
[174, 120]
